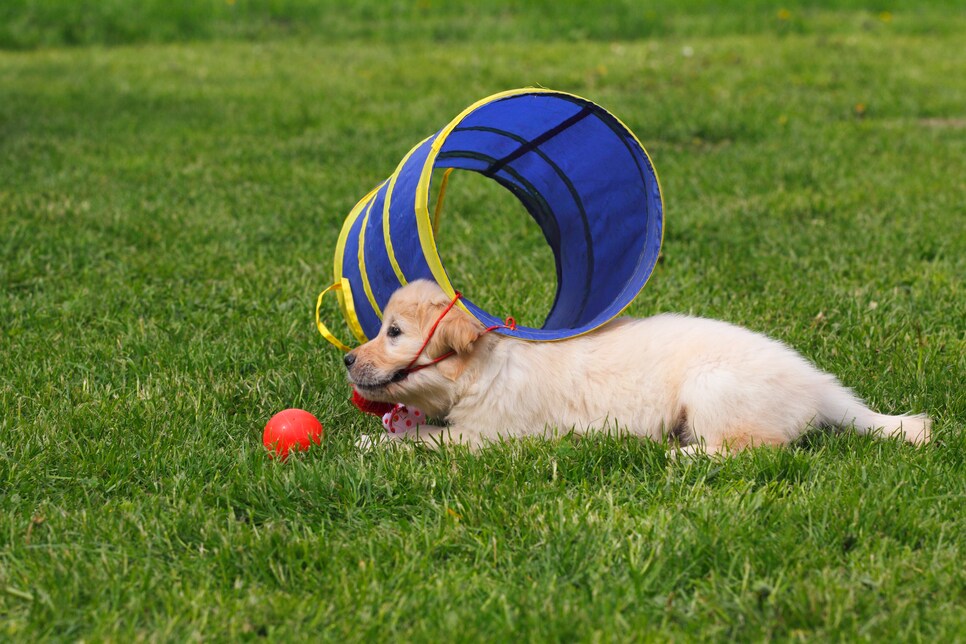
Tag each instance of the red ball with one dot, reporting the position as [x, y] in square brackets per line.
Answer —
[291, 429]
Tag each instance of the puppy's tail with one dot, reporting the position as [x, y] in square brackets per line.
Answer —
[845, 410]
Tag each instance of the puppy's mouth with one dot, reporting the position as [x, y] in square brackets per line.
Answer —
[380, 384]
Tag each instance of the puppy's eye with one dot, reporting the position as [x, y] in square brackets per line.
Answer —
[394, 331]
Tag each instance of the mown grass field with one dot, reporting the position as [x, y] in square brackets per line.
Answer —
[170, 197]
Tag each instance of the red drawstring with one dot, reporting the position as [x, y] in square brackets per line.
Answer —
[409, 368]
[509, 324]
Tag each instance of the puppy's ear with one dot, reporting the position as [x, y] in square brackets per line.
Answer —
[457, 332]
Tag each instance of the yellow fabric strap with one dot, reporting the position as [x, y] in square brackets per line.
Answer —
[439, 200]
[343, 287]
[387, 237]
[363, 273]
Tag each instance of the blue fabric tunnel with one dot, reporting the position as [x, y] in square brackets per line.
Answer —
[581, 174]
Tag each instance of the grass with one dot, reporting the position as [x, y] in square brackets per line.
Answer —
[168, 212]
[27, 24]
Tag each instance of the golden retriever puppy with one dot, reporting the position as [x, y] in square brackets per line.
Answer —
[707, 384]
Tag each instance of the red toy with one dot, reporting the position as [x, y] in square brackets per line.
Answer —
[291, 429]
[370, 406]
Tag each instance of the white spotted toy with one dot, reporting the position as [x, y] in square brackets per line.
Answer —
[402, 419]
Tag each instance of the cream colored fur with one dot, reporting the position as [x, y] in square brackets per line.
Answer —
[708, 384]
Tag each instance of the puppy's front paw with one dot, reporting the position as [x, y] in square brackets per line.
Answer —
[695, 450]
[366, 442]
[683, 452]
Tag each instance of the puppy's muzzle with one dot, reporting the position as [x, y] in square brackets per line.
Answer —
[362, 375]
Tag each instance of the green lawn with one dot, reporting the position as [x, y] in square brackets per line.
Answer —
[168, 212]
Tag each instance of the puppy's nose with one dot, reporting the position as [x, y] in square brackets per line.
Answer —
[349, 360]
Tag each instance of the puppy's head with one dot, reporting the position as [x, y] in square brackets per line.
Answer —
[378, 369]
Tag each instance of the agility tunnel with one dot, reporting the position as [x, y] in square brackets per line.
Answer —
[582, 175]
